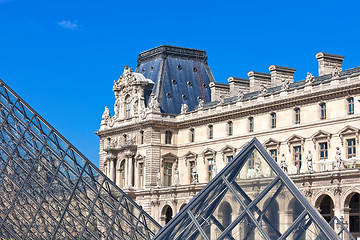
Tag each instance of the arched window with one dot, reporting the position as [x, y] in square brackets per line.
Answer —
[350, 105]
[354, 214]
[297, 115]
[322, 111]
[327, 208]
[122, 174]
[168, 137]
[273, 120]
[141, 137]
[166, 214]
[225, 214]
[230, 128]
[211, 131]
[251, 124]
[272, 214]
[127, 106]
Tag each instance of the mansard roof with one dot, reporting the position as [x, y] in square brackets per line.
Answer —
[181, 76]
[49, 190]
[252, 197]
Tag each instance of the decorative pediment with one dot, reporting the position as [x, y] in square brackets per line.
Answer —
[139, 158]
[321, 135]
[228, 149]
[272, 143]
[190, 156]
[208, 153]
[169, 157]
[295, 139]
[349, 131]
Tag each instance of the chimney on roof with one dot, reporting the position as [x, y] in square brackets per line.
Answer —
[280, 74]
[328, 62]
[238, 84]
[257, 79]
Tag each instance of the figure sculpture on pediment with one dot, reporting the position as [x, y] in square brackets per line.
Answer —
[153, 103]
[309, 78]
[106, 114]
[240, 95]
[184, 108]
[309, 158]
[336, 72]
[283, 164]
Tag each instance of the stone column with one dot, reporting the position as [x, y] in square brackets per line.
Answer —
[129, 157]
[111, 167]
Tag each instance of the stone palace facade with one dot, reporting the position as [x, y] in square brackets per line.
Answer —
[174, 128]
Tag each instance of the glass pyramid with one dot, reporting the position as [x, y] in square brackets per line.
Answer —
[49, 190]
[341, 229]
[251, 198]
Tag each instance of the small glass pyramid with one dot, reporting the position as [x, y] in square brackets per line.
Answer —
[251, 198]
[49, 190]
[341, 229]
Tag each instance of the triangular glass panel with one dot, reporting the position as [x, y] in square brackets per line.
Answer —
[251, 198]
[49, 190]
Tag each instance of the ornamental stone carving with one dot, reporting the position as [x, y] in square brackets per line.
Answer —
[240, 95]
[336, 72]
[285, 85]
[154, 104]
[184, 108]
[263, 90]
[309, 78]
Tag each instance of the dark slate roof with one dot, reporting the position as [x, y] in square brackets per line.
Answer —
[174, 71]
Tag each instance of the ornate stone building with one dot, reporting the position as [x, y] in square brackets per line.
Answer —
[174, 128]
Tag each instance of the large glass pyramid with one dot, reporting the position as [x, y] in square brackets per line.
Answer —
[251, 198]
[340, 228]
[49, 190]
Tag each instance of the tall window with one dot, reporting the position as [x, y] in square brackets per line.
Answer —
[141, 137]
[252, 160]
[167, 174]
[323, 150]
[350, 106]
[211, 131]
[351, 148]
[127, 106]
[230, 158]
[251, 124]
[122, 174]
[141, 175]
[297, 115]
[323, 110]
[273, 154]
[297, 157]
[354, 213]
[230, 128]
[211, 166]
[273, 120]
[168, 137]
[192, 135]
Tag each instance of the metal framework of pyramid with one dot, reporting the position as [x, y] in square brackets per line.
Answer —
[341, 229]
[49, 190]
[251, 198]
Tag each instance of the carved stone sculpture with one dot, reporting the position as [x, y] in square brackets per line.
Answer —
[195, 176]
[158, 179]
[258, 168]
[201, 103]
[117, 107]
[213, 171]
[339, 161]
[309, 78]
[240, 95]
[153, 103]
[176, 177]
[285, 85]
[336, 72]
[309, 157]
[283, 164]
[184, 108]
[263, 90]
[106, 114]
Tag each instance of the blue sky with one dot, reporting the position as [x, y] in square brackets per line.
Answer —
[62, 56]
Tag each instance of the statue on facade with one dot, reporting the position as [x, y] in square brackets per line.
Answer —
[285, 84]
[258, 168]
[309, 78]
[309, 157]
[112, 143]
[153, 103]
[283, 164]
[106, 114]
[117, 107]
[176, 177]
[213, 171]
[158, 179]
[201, 103]
[336, 72]
[221, 99]
[262, 90]
[195, 176]
[339, 161]
[184, 108]
[136, 102]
